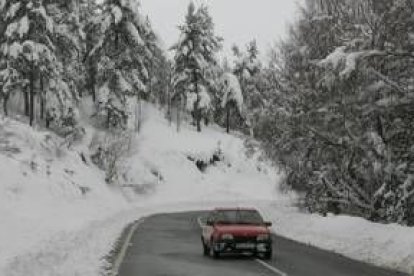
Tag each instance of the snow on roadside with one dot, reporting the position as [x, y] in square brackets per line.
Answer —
[46, 190]
[83, 251]
[390, 246]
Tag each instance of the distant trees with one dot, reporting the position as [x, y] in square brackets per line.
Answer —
[340, 121]
[195, 64]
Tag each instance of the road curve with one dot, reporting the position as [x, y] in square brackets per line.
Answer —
[169, 245]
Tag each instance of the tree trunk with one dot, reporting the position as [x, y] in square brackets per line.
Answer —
[136, 116]
[150, 77]
[32, 96]
[91, 69]
[92, 80]
[139, 113]
[42, 108]
[197, 112]
[108, 118]
[26, 102]
[228, 118]
[169, 111]
[42, 99]
[5, 100]
[178, 114]
[198, 119]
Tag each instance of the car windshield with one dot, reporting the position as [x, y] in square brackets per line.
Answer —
[238, 217]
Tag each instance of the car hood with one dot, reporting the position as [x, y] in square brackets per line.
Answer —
[242, 230]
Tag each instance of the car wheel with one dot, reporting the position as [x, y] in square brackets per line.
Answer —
[216, 253]
[206, 249]
[268, 255]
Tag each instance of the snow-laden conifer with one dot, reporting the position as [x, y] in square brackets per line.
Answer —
[195, 61]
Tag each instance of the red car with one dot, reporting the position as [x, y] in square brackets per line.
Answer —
[236, 231]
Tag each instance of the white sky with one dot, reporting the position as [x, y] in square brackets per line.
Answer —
[237, 21]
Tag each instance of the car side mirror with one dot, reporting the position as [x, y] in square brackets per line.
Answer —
[210, 222]
[268, 224]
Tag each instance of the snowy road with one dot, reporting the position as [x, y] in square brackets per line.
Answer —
[170, 245]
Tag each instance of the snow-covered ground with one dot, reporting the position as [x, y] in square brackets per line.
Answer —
[164, 162]
[390, 246]
[47, 193]
[49, 227]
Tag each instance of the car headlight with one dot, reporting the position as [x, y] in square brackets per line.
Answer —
[263, 237]
[227, 237]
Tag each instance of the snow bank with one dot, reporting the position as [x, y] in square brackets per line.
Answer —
[46, 191]
[165, 162]
[389, 246]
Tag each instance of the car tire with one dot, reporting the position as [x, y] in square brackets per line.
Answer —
[206, 249]
[216, 254]
[268, 255]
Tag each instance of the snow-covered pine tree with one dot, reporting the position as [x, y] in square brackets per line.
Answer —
[88, 12]
[120, 53]
[157, 64]
[344, 133]
[10, 82]
[5, 74]
[248, 69]
[68, 38]
[232, 97]
[30, 50]
[195, 62]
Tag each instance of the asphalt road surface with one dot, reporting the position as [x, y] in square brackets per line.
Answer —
[170, 245]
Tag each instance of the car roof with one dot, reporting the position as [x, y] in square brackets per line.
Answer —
[235, 209]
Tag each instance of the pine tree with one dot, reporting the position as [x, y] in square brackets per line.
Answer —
[195, 62]
[248, 69]
[27, 44]
[68, 39]
[157, 64]
[232, 97]
[121, 57]
[31, 48]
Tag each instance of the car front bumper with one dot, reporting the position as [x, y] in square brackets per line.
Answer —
[232, 246]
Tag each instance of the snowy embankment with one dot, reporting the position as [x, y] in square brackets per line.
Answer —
[47, 196]
[61, 218]
[186, 166]
[390, 246]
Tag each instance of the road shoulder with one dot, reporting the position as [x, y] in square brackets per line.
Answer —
[117, 254]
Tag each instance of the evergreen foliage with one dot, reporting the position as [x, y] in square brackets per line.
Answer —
[341, 119]
[195, 64]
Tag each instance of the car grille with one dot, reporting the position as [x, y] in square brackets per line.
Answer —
[241, 239]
